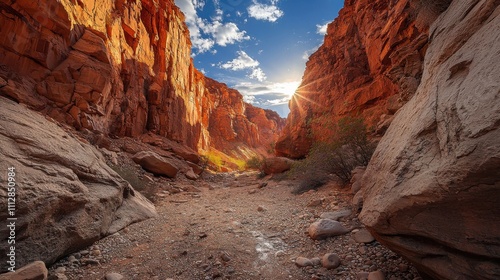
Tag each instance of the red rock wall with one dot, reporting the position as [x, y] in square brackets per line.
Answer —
[119, 67]
[236, 126]
[369, 64]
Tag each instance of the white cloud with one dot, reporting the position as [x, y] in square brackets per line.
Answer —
[205, 34]
[265, 12]
[244, 62]
[225, 33]
[321, 29]
[258, 75]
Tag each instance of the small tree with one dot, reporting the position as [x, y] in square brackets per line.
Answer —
[348, 148]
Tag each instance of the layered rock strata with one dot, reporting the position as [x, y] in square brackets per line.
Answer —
[369, 64]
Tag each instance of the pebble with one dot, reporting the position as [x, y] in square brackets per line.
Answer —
[316, 261]
[330, 261]
[315, 203]
[363, 236]
[225, 257]
[261, 209]
[252, 191]
[114, 276]
[303, 262]
[362, 275]
[403, 267]
[376, 275]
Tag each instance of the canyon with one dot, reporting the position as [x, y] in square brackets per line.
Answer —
[100, 98]
[124, 69]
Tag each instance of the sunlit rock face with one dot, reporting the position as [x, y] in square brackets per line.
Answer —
[431, 189]
[119, 67]
[369, 65]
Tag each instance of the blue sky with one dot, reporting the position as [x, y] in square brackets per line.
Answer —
[258, 47]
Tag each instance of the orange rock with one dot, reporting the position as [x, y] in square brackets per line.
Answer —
[124, 69]
[371, 60]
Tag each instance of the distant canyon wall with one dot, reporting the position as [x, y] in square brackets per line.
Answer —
[369, 65]
[123, 68]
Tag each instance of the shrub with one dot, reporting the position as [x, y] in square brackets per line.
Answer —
[347, 149]
[254, 163]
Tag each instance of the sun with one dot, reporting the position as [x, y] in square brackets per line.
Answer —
[288, 88]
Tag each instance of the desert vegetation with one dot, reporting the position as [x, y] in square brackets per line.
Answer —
[348, 148]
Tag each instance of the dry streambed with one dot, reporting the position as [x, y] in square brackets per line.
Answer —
[235, 227]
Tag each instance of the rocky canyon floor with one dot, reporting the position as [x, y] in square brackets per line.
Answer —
[233, 226]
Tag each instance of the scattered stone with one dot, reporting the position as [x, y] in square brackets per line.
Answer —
[303, 262]
[252, 191]
[155, 164]
[276, 165]
[376, 275]
[72, 259]
[330, 261]
[362, 275]
[262, 185]
[403, 267]
[191, 175]
[337, 215]
[225, 257]
[90, 262]
[363, 236]
[325, 228]
[60, 269]
[203, 235]
[315, 203]
[114, 276]
[316, 261]
[33, 271]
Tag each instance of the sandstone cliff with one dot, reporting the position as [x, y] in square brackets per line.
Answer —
[122, 68]
[237, 128]
[431, 190]
[369, 64]
[67, 197]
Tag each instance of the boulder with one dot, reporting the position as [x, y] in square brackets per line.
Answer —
[325, 228]
[33, 271]
[67, 197]
[276, 165]
[191, 175]
[431, 190]
[156, 164]
[330, 261]
[336, 215]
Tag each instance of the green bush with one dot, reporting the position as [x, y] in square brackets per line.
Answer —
[254, 163]
[349, 148]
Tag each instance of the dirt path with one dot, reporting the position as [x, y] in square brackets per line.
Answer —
[230, 228]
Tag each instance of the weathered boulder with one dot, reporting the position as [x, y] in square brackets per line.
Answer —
[325, 228]
[330, 261]
[156, 164]
[33, 271]
[276, 165]
[67, 197]
[431, 190]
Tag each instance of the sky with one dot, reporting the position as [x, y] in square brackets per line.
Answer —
[258, 47]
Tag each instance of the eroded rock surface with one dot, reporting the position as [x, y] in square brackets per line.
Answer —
[67, 196]
[369, 64]
[123, 68]
[431, 190]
